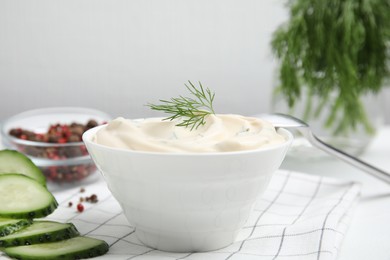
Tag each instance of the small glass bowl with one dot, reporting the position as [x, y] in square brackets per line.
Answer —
[61, 163]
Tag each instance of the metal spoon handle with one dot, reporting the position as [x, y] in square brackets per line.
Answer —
[368, 168]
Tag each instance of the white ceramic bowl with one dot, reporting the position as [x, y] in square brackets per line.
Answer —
[187, 202]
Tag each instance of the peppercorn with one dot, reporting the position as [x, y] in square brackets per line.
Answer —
[92, 199]
[77, 130]
[80, 207]
[73, 138]
[91, 123]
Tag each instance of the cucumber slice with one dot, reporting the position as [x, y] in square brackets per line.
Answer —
[23, 197]
[74, 248]
[9, 226]
[40, 232]
[12, 161]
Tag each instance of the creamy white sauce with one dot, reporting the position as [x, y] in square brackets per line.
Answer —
[221, 133]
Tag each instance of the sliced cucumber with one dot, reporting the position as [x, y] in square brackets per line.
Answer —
[9, 226]
[23, 197]
[12, 161]
[40, 232]
[74, 248]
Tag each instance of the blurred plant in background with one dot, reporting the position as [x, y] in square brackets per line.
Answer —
[334, 52]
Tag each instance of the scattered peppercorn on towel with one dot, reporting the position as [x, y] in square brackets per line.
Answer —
[299, 217]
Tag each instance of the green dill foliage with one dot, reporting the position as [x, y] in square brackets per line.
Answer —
[334, 47]
[191, 110]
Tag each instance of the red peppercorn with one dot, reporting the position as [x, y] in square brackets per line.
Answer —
[80, 207]
[62, 140]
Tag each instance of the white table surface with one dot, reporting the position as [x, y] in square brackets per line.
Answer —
[368, 236]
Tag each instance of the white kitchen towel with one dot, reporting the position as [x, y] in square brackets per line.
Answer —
[300, 216]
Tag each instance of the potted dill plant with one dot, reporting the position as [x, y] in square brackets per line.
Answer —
[333, 55]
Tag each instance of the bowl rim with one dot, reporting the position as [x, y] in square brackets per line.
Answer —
[41, 162]
[48, 110]
[87, 139]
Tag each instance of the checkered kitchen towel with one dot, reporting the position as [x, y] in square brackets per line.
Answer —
[299, 217]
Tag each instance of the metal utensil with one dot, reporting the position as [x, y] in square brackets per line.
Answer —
[289, 122]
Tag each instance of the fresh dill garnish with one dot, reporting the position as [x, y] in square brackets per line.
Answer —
[192, 110]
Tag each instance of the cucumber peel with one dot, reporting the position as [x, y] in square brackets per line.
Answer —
[40, 232]
[73, 248]
[12, 161]
[9, 226]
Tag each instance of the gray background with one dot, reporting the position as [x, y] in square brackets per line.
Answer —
[117, 56]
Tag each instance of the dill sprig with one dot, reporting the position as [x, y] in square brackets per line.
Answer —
[192, 110]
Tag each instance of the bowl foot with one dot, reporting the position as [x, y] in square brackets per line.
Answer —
[186, 242]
